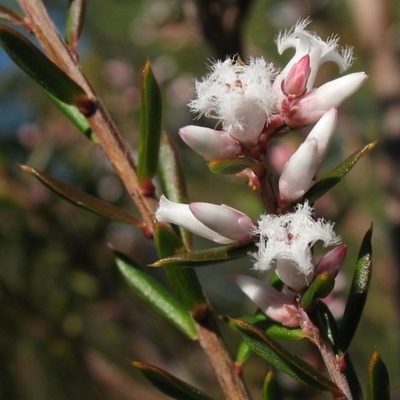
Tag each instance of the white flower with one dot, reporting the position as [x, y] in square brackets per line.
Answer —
[238, 95]
[306, 42]
[287, 239]
[221, 224]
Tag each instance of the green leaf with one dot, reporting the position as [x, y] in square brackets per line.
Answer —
[172, 180]
[75, 17]
[75, 116]
[283, 359]
[231, 165]
[358, 294]
[169, 384]
[43, 71]
[331, 333]
[331, 329]
[183, 280]
[206, 257]
[82, 199]
[11, 16]
[337, 174]
[272, 328]
[320, 287]
[378, 386]
[150, 126]
[157, 296]
[271, 388]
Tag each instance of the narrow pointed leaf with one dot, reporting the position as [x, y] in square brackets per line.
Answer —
[337, 174]
[11, 16]
[42, 70]
[271, 388]
[172, 180]
[150, 126]
[273, 329]
[331, 332]
[378, 386]
[75, 17]
[232, 165]
[358, 294]
[242, 354]
[331, 329]
[169, 384]
[282, 359]
[183, 280]
[320, 287]
[156, 295]
[75, 116]
[205, 257]
[82, 199]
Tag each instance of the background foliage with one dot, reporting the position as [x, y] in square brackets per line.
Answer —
[68, 321]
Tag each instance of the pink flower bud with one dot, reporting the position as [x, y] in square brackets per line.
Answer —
[209, 143]
[225, 220]
[332, 261]
[295, 83]
[180, 214]
[279, 306]
[310, 107]
[299, 171]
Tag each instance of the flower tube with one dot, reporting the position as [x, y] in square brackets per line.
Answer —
[227, 225]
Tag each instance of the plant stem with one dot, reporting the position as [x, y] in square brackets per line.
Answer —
[109, 138]
[124, 165]
[223, 365]
[331, 363]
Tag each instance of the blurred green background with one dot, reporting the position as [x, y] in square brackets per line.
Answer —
[68, 321]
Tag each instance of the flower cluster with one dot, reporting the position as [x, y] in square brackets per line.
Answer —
[253, 102]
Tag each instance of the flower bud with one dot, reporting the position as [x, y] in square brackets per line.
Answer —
[295, 83]
[225, 220]
[209, 143]
[180, 214]
[323, 132]
[299, 171]
[310, 107]
[332, 261]
[280, 307]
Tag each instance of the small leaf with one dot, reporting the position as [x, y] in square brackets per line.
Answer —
[75, 116]
[331, 328]
[183, 280]
[205, 257]
[172, 180]
[11, 16]
[378, 386]
[320, 287]
[271, 388]
[169, 384]
[337, 174]
[43, 71]
[358, 294]
[283, 359]
[272, 328]
[331, 332]
[150, 126]
[231, 165]
[82, 199]
[157, 296]
[75, 17]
